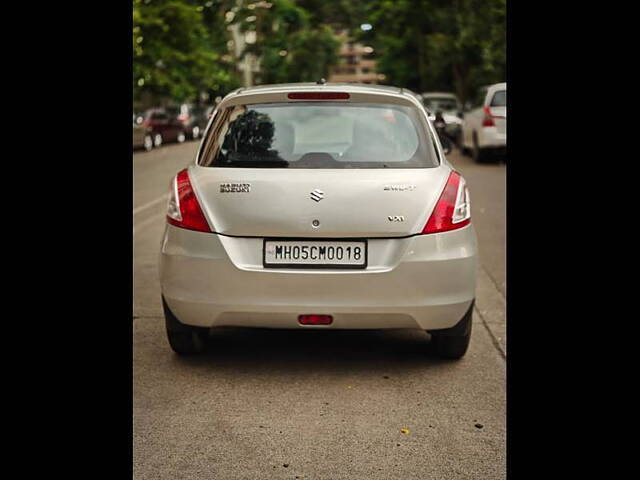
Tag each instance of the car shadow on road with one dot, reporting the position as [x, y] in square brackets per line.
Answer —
[317, 351]
[493, 159]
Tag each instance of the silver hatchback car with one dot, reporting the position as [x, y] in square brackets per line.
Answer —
[319, 206]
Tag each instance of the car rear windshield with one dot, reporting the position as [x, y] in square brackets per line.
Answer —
[318, 135]
[444, 104]
[499, 99]
[159, 116]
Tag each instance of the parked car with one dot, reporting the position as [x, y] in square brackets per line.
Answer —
[484, 124]
[440, 125]
[192, 117]
[165, 127]
[451, 109]
[319, 207]
[142, 137]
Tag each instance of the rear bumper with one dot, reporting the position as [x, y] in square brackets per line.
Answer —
[430, 285]
[491, 138]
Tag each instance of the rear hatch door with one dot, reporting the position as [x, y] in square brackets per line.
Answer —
[316, 202]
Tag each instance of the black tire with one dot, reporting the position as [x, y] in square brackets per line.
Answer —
[453, 342]
[463, 150]
[184, 339]
[478, 154]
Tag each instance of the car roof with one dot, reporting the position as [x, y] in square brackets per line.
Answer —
[497, 86]
[277, 92]
[360, 87]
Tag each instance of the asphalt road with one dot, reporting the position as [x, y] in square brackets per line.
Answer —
[322, 404]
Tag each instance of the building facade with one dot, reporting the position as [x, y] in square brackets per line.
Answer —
[356, 64]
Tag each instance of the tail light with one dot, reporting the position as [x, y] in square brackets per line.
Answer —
[184, 210]
[487, 121]
[453, 209]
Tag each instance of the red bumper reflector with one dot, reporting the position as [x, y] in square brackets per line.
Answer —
[315, 319]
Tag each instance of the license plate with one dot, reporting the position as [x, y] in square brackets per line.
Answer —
[315, 253]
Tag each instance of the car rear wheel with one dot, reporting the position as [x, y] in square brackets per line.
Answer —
[184, 339]
[195, 132]
[148, 142]
[181, 137]
[453, 342]
[464, 150]
[157, 140]
[477, 153]
[460, 144]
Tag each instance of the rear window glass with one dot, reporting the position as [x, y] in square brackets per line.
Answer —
[318, 135]
[444, 104]
[499, 99]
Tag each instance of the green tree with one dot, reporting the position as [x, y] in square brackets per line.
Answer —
[439, 44]
[174, 54]
[181, 47]
[290, 47]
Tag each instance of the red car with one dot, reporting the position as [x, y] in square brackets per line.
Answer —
[165, 127]
[192, 117]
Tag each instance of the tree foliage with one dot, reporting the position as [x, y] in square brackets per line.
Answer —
[439, 44]
[292, 44]
[181, 47]
[178, 49]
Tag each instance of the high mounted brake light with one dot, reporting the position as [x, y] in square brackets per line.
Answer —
[453, 209]
[318, 96]
[315, 319]
[183, 209]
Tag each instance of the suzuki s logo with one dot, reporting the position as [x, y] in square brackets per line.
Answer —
[317, 195]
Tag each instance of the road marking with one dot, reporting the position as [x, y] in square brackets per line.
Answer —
[148, 221]
[151, 204]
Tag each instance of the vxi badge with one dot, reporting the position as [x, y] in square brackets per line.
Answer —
[235, 187]
[399, 188]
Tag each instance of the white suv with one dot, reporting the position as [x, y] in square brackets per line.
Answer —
[484, 126]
